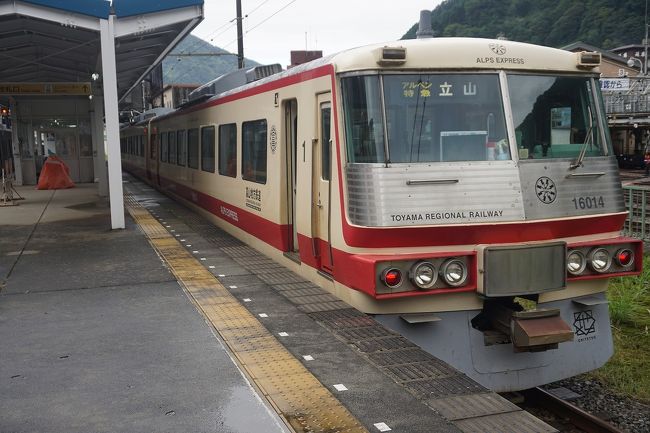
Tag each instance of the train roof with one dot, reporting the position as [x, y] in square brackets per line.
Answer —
[461, 53]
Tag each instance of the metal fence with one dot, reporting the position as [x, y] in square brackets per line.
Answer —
[637, 224]
[633, 98]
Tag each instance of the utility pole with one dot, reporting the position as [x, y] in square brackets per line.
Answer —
[240, 37]
[645, 42]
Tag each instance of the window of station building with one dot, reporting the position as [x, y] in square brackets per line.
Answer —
[228, 150]
[164, 147]
[193, 148]
[181, 147]
[254, 151]
[207, 149]
[172, 147]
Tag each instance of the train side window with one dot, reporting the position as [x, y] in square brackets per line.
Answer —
[325, 115]
[207, 149]
[181, 147]
[172, 147]
[228, 150]
[164, 147]
[254, 151]
[193, 148]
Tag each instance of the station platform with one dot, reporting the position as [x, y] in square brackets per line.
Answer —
[173, 325]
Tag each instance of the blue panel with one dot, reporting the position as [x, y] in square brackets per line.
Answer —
[125, 8]
[93, 8]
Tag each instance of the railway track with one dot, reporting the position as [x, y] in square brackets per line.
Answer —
[572, 414]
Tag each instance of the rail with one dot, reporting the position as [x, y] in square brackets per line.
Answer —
[576, 416]
[637, 224]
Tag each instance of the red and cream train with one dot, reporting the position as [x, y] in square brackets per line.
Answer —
[433, 183]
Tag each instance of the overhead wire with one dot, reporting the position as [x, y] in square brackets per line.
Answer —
[262, 22]
[228, 26]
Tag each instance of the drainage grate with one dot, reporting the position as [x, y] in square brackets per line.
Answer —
[290, 294]
[242, 251]
[445, 386]
[281, 287]
[256, 261]
[358, 334]
[324, 306]
[281, 278]
[382, 344]
[433, 369]
[313, 299]
[398, 357]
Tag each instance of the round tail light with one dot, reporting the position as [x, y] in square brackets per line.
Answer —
[392, 277]
[625, 257]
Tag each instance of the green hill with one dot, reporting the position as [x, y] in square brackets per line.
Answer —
[555, 23]
[198, 69]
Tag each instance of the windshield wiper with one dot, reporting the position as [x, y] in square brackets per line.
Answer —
[583, 150]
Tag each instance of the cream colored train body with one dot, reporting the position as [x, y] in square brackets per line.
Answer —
[431, 183]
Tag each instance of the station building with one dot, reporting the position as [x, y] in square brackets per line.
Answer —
[65, 67]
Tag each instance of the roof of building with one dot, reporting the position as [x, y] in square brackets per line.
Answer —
[579, 45]
[46, 41]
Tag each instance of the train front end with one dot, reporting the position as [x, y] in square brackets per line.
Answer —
[482, 206]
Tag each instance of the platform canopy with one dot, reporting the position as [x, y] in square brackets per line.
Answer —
[59, 40]
[60, 47]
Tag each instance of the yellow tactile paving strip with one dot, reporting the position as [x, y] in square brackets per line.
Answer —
[301, 400]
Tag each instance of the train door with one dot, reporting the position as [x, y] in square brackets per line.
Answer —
[291, 144]
[321, 192]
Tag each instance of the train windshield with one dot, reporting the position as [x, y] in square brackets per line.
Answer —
[555, 117]
[428, 118]
[410, 118]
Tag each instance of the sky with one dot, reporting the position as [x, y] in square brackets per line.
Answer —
[272, 28]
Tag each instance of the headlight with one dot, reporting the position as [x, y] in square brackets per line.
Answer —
[575, 262]
[454, 272]
[600, 260]
[424, 275]
[624, 257]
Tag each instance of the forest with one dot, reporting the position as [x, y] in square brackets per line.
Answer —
[555, 23]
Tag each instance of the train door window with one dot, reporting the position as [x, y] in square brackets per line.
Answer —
[140, 145]
[228, 150]
[325, 116]
[181, 147]
[254, 151]
[207, 149]
[172, 147]
[193, 148]
[164, 147]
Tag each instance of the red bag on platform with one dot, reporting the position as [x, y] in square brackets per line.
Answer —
[55, 174]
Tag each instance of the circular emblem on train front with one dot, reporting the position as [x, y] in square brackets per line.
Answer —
[545, 190]
[498, 49]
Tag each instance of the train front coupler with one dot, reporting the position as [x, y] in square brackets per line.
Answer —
[504, 321]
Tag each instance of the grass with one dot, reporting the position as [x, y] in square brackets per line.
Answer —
[628, 371]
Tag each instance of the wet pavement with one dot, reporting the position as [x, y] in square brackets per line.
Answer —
[97, 335]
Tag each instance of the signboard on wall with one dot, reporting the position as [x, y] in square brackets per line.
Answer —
[614, 84]
[46, 89]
